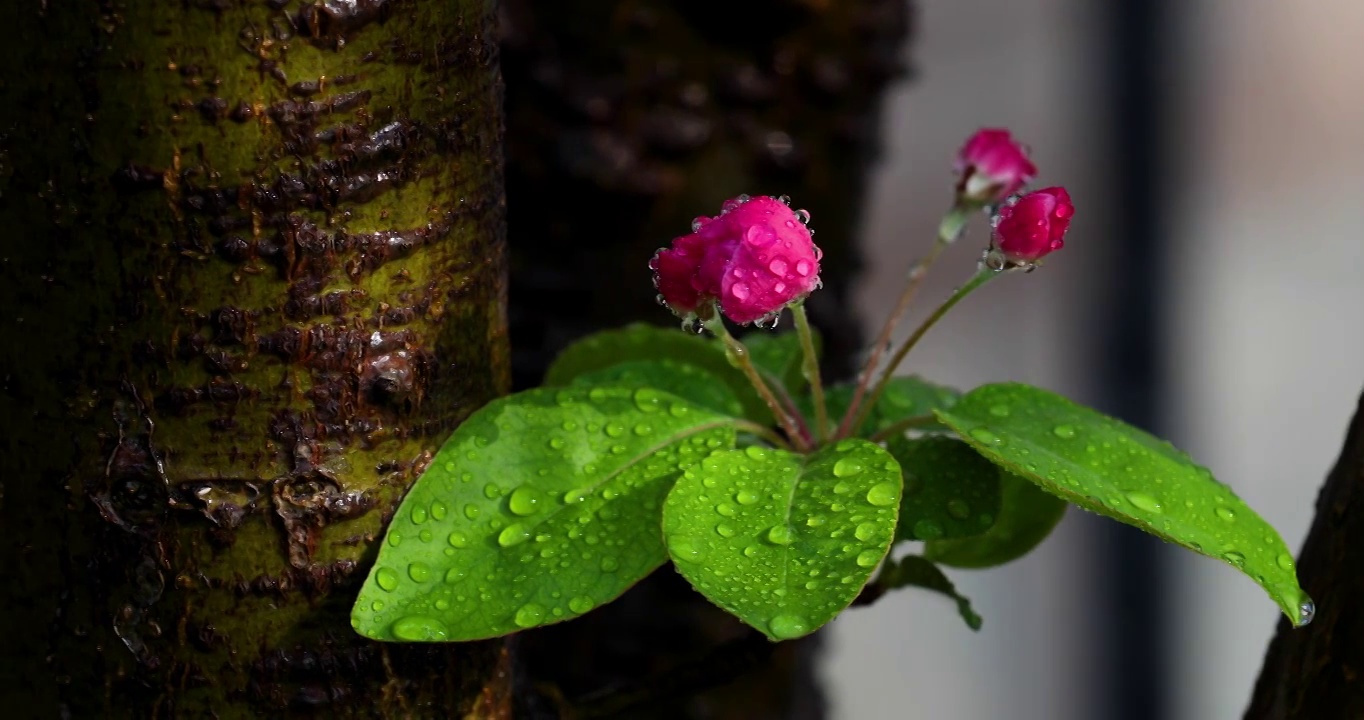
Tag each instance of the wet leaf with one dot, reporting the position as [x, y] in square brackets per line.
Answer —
[540, 507]
[1114, 469]
[645, 342]
[915, 571]
[689, 382]
[783, 541]
[950, 490]
[1027, 515]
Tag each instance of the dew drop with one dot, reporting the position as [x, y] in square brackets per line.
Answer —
[814, 520]
[745, 497]
[418, 628]
[1145, 502]
[1226, 514]
[491, 491]
[725, 530]
[681, 548]
[1000, 410]
[648, 400]
[1306, 611]
[1285, 561]
[442, 604]
[1065, 432]
[514, 534]
[985, 436]
[725, 510]
[454, 575]
[781, 535]
[386, 579]
[1235, 558]
[394, 539]
[525, 500]
[847, 467]
[471, 511]
[419, 572]
[865, 531]
[752, 551]
[439, 510]
[581, 604]
[868, 558]
[882, 494]
[740, 291]
[756, 452]
[803, 268]
[529, 615]
[419, 515]
[785, 627]
[556, 443]
[614, 429]
[958, 509]
[778, 267]
[609, 565]
[377, 605]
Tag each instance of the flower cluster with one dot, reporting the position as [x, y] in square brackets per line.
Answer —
[752, 259]
[992, 167]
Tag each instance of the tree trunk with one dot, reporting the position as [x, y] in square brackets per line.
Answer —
[253, 275]
[1317, 672]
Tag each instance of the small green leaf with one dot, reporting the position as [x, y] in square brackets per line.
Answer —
[784, 541]
[540, 507]
[913, 570]
[686, 381]
[645, 342]
[1114, 469]
[905, 397]
[950, 490]
[778, 355]
[1027, 516]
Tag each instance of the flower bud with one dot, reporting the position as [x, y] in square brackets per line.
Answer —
[754, 258]
[991, 167]
[1033, 226]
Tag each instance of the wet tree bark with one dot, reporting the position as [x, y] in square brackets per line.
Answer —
[627, 118]
[1318, 671]
[253, 273]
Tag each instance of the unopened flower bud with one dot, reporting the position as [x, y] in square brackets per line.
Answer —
[991, 166]
[1033, 226]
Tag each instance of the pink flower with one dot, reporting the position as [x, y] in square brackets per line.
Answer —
[754, 258]
[1033, 226]
[992, 167]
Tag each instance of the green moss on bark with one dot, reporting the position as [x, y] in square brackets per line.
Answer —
[253, 276]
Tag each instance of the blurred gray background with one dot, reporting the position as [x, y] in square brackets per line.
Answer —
[1210, 290]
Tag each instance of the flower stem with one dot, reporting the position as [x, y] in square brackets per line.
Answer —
[738, 354]
[982, 276]
[763, 432]
[811, 371]
[914, 278]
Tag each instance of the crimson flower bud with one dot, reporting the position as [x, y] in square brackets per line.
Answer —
[1033, 226]
[991, 166]
[754, 258]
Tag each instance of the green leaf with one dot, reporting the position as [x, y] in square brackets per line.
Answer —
[1027, 516]
[1114, 469]
[778, 355]
[540, 507]
[688, 382]
[784, 541]
[950, 490]
[905, 397]
[913, 570]
[645, 342]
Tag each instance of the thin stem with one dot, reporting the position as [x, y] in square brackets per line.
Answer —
[898, 429]
[811, 371]
[739, 355]
[763, 432]
[917, 272]
[789, 404]
[982, 276]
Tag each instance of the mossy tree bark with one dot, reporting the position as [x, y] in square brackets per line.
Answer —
[253, 274]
